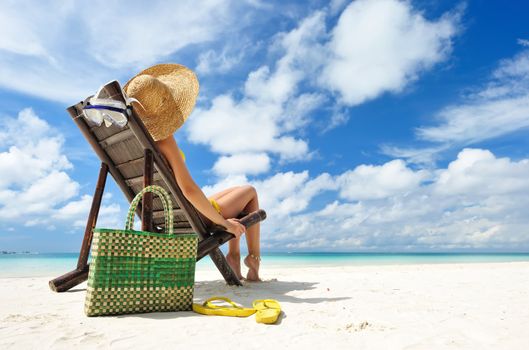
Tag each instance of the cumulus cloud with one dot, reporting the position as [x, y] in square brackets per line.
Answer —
[479, 172]
[377, 46]
[76, 211]
[381, 46]
[271, 105]
[242, 163]
[372, 182]
[31, 150]
[282, 194]
[478, 201]
[35, 187]
[270, 108]
[290, 192]
[227, 127]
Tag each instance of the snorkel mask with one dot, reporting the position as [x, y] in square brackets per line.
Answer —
[99, 110]
[105, 110]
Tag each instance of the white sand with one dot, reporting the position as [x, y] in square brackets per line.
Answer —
[457, 306]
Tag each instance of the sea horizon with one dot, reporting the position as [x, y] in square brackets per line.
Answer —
[33, 264]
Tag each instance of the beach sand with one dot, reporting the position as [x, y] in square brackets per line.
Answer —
[437, 306]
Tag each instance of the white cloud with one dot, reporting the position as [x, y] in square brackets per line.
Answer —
[288, 193]
[498, 108]
[375, 47]
[337, 118]
[375, 182]
[228, 126]
[478, 121]
[32, 164]
[283, 193]
[278, 192]
[242, 163]
[35, 188]
[213, 61]
[270, 108]
[380, 46]
[76, 211]
[425, 156]
[54, 188]
[21, 33]
[31, 150]
[479, 172]
[523, 42]
[478, 202]
[53, 50]
[162, 28]
[298, 110]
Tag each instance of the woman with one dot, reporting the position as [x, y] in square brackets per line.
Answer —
[167, 95]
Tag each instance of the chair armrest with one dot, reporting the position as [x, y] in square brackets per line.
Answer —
[220, 236]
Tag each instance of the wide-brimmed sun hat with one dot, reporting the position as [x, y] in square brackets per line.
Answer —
[167, 94]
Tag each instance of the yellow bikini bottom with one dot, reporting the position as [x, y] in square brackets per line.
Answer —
[215, 204]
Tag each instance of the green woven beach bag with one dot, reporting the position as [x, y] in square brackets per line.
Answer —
[137, 271]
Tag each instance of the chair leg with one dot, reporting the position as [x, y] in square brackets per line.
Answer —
[92, 216]
[80, 274]
[222, 265]
[209, 245]
[146, 213]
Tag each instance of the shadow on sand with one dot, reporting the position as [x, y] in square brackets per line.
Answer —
[245, 295]
[271, 289]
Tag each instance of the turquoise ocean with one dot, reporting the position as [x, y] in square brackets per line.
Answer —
[54, 264]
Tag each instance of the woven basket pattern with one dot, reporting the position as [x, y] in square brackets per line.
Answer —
[136, 271]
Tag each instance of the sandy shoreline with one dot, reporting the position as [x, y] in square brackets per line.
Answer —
[445, 306]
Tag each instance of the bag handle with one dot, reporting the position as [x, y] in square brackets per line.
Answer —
[167, 207]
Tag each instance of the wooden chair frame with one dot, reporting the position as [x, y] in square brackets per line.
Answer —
[210, 238]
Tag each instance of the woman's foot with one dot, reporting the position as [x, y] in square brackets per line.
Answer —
[252, 262]
[234, 260]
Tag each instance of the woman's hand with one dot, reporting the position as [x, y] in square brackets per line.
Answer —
[235, 227]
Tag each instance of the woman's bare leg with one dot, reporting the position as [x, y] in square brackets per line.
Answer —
[231, 204]
[223, 192]
[234, 252]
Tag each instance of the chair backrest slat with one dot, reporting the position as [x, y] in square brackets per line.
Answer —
[123, 149]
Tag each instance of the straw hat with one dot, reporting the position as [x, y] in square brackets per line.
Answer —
[167, 93]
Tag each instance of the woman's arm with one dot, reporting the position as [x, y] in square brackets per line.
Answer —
[190, 189]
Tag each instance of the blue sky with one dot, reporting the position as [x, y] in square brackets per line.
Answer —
[365, 126]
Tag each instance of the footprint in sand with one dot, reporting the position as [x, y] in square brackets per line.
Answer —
[361, 326]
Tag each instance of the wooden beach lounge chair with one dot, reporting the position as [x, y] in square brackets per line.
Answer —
[134, 161]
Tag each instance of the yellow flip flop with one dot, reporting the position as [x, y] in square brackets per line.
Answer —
[268, 310]
[234, 310]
